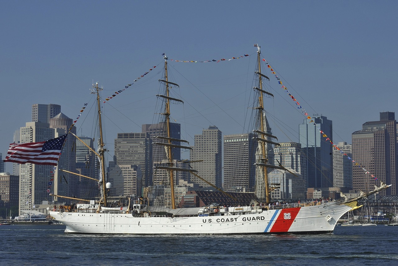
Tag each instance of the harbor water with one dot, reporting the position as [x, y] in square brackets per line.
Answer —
[49, 245]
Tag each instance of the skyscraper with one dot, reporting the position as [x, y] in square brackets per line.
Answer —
[207, 148]
[2, 170]
[159, 130]
[342, 166]
[135, 149]
[67, 161]
[38, 181]
[374, 148]
[291, 186]
[124, 179]
[318, 151]
[239, 159]
[34, 178]
[290, 156]
[16, 139]
[9, 189]
[44, 112]
[158, 133]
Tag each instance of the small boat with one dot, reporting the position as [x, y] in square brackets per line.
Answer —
[369, 224]
[5, 224]
[392, 224]
[351, 224]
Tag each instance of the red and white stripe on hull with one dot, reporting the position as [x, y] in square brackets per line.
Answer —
[282, 220]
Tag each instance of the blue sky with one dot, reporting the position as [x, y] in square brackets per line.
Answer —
[338, 59]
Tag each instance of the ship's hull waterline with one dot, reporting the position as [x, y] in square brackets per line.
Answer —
[320, 219]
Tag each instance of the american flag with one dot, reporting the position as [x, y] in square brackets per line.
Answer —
[46, 152]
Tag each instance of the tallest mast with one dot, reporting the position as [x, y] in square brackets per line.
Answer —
[261, 117]
[262, 132]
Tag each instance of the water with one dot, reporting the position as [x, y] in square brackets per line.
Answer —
[48, 245]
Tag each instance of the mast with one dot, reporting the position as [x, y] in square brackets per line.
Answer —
[168, 140]
[167, 115]
[101, 149]
[262, 134]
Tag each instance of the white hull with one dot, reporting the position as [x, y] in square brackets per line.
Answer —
[312, 219]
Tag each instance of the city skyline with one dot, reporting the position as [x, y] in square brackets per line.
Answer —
[10, 170]
[339, 68]
[239, 157]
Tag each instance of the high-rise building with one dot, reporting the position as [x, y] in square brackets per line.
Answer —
[374, 148]
[291, 187]
[67, 161]
[159, 130]
[318, 151]
[290, 156]
[342, 166]
[239, 160]
[1, 164]
[135, 149]
[44, 112]
[34, 178]
[207, 149]
[86, 164]
[158, 152]
[16, 139]
[9, 189]
[125, 180]
[38, 181]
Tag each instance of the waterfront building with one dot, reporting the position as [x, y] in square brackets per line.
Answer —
[239, 160]
[325, 193]
[207, 150]
[342, 166]
[318, 151]
[374, 148]
[9, 190]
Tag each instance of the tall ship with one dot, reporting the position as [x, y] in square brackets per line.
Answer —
[138, 218]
